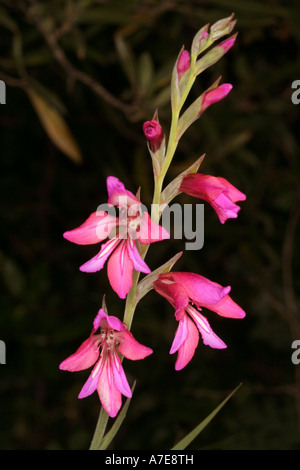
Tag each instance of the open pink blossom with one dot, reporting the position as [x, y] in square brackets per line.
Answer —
[217, 191]
[101, 350]
[123, 230]
[188, 293]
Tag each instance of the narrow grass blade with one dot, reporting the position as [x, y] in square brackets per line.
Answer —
[194, 433]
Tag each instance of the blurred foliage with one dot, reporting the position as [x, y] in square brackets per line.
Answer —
[101, 68]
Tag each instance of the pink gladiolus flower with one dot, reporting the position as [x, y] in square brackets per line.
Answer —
[217, 191]
[213, 96]
[188, 293]
[183, 63]
[123, 231]
[154, 134]
[100, 350]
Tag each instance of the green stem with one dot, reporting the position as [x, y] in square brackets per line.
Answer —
[172, 145]
[100, 430]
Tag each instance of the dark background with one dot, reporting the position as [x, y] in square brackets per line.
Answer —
[250, 138]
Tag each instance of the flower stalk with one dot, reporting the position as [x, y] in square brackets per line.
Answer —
[100, 429]
[132, 231]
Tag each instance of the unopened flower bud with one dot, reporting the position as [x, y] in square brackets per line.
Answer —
[222, 27]
[183, 63]
[228, 43]
[215, 95]
[154, 134]
[200, 41]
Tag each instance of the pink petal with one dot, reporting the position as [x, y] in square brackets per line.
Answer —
[187, 349]
[85, 356]
[96, 228]
[228, 308]
[110, 397]
[119, 270]
[181, 334]
[98, 261]
[107, 321]
[152, 130]
[130, 348]
[101, 315]
[202, 186]
[225, 208]
[115, 323]
[199, 289]
[173, 292]
[92, 382]
[114, 185]
[118, 194]
[138, 263]
[217, 191]
[234, 194]
[150, 231]
[120, 379]
[208, 336]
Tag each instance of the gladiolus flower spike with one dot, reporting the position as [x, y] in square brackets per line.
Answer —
[101, 350]
[188, 293]
[132, 224]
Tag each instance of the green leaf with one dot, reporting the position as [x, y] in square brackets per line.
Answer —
[55, 126]
[181, 445]
[117, 424]
[145, 70]
[127, 59]
[48, 95]
[209, 59]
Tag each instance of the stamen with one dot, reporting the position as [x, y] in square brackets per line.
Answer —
[198, 318]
